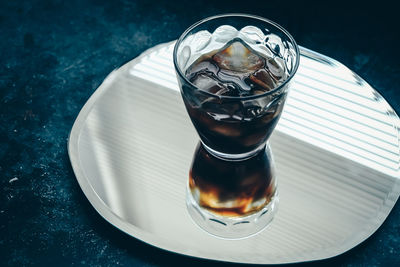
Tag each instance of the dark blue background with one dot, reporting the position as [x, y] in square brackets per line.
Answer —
[54, 54]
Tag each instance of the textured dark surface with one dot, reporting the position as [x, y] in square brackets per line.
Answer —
[54, 54]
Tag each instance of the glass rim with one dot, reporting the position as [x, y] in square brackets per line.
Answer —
[280, 28]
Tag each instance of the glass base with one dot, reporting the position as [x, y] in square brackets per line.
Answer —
[234, 157]
[232, 227]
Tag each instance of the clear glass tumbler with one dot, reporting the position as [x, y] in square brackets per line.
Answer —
[234, 124]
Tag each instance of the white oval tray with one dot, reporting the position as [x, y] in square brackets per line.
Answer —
[336, 149]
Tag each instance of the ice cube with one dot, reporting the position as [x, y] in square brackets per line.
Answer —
[202, 66]
[207, 82]
[184, 56]
[252, 111]
[226, 130]
[252, 34]
[200, 40]
[224, 33]
[277, 67]
[275, 43]
[263, 79]
[237, 57]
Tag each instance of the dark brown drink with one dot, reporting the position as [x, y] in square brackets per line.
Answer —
[232, 126]
[234, 73]
[232, 188]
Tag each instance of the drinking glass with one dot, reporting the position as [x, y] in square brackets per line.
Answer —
[232, 189]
